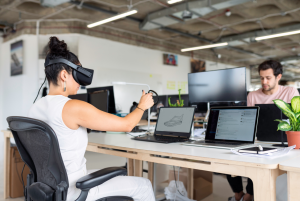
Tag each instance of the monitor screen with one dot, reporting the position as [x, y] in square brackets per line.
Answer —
[111, 97]
[99, 99]
[82, 97]
[175, 119]
[217, 86]
[238, 124]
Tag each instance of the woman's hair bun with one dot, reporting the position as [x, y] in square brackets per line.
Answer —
[57, 47]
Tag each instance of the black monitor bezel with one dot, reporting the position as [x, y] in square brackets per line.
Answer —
[237, 107]
[111, 98]
[173, 134]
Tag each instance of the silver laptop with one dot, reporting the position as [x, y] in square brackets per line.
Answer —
[230, 127]
[173, 125]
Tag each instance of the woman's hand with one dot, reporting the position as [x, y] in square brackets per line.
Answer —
[146, 101]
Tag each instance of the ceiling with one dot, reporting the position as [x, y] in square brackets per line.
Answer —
[208, 24]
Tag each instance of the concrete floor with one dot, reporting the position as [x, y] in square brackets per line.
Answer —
[221, 189]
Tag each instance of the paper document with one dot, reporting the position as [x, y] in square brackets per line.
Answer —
[199, 132]
[137, 133]
[280, 152]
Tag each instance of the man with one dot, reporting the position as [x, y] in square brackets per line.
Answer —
[270, 74]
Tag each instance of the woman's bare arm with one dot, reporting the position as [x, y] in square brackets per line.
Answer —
[78, 113]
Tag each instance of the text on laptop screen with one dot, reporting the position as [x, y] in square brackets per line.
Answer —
[232, 124]
[175, 119]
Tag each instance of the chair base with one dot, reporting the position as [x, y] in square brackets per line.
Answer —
[116, 198]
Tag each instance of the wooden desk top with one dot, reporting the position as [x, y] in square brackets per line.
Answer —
[188, 152]
[292, 165]
[7, 133]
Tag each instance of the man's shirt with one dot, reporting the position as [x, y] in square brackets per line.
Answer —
[283, 93]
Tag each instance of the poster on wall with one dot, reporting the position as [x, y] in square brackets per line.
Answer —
[170, 59]
[16, 58]
[197, 65]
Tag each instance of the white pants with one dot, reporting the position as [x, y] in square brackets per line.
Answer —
[140, 189]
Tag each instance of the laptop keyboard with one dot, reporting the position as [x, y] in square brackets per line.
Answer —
[170, 139]
[220, 142]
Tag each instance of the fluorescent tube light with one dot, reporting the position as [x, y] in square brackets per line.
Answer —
[278, 35]
[112, 18]
[204, 47]
[173, 1]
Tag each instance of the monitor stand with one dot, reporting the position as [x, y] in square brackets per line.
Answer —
[207, 113]
[282, 143]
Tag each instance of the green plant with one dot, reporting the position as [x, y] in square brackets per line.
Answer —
[179, 103]
[292, 112]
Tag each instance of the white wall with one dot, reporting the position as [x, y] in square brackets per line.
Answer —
[1, 85]
[112, 61]
[18, 92]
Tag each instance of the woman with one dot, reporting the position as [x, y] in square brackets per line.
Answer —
[70, 118]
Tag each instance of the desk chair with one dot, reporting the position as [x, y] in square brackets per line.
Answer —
[48, 180]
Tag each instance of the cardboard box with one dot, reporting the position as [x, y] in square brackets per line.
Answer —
[203, 186]
[16, 166]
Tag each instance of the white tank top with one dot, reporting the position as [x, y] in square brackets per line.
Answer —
[72, 143]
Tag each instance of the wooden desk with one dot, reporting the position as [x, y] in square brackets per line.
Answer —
[262, 171]
[7, 136]
[292, 167]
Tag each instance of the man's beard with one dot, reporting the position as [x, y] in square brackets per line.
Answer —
[270, 88]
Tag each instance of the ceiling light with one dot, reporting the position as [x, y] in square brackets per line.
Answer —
[204, 47]
[173, 1]
[112, 18]
[278, 35]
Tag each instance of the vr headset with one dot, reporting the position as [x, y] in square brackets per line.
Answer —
[81, 75]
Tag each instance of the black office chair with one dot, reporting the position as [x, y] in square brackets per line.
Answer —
[48, 181]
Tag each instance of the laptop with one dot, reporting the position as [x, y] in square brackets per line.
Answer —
[230, 127]
[174, 124]
[267, 127]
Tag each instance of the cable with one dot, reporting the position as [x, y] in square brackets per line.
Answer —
[39, 90]
[23, 180]
[175, 180]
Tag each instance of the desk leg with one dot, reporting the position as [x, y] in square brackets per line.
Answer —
[264, 182]
[130, 168]
[6, 167]
[293, 186]
[138, 168]
[190, 183]
[151, 172]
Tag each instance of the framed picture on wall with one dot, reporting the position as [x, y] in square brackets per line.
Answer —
[170, 59]
[197, 65]
[16, 58]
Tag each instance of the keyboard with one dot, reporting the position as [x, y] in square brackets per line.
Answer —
[170, 139]
[220, 142]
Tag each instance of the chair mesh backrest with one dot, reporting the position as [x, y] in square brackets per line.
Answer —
[39, 149]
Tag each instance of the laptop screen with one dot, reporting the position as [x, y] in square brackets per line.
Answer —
[175, 119]
[232, 124]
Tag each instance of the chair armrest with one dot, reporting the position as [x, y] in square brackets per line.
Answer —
[97, 178]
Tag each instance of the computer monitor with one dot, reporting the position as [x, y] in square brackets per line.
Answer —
[82, 97]
[226, 86]
[99, 99]
[111, 97]
[267, 127]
